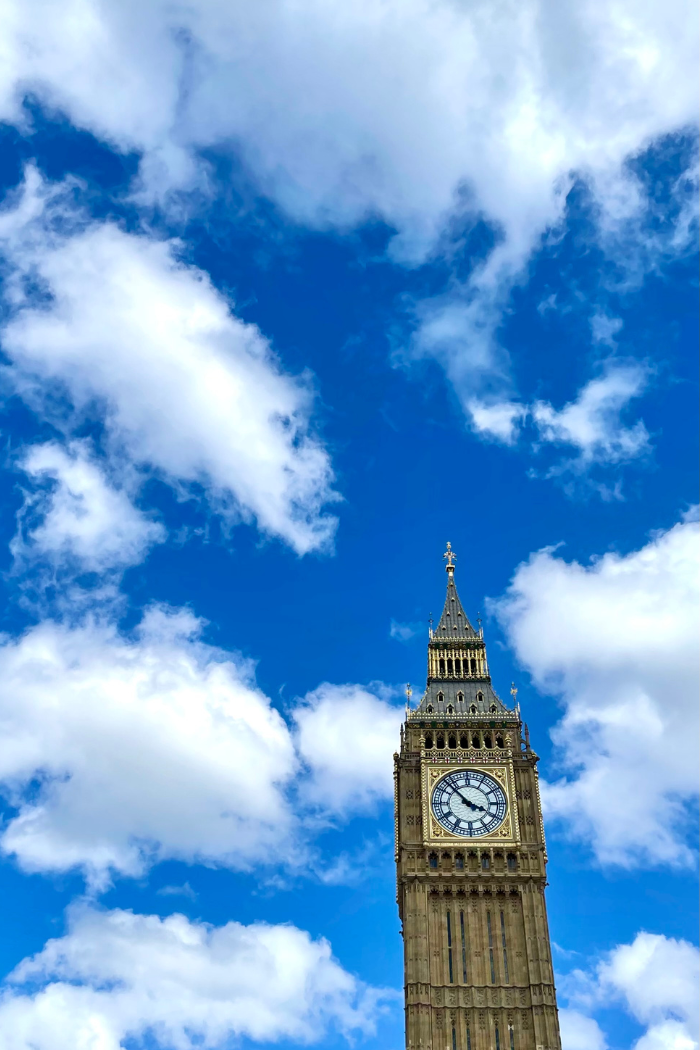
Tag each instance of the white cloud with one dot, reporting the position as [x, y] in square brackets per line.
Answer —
[346, 736]
[500, 420]
[604, 328]
[403, 632]
[116, 977]
[318, 97]
[579, 1032]
[592, 423]
[186, 388]
[617, 640]
[77, 515]
[414, 111]
[122, 751]
[655, 979]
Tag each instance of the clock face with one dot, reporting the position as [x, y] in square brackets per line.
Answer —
[469, 803]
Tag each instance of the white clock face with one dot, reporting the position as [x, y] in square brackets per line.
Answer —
[470, 803]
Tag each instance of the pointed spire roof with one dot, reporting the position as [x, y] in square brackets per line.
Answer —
[454, 622]
[459, 683]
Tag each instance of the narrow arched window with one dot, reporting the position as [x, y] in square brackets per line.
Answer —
[458, 667]
[452, 741]
[512, 862]
[460, 698]
[473, 666]
[464, 741]
[459, 861]
[493, 709]
[475, 740]
[450, 710]
[487, 740]
[428, 741]
[440, 698]
[472, 709]
[429, 709]
[479, 698]
[433, 860]
[442, 666]
[485, 862]
[499, 740]
[440, 742]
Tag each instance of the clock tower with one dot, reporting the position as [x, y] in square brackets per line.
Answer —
[471, 858]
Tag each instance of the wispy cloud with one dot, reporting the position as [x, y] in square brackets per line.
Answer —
[592, 425]
[404, 632]
[177, 891]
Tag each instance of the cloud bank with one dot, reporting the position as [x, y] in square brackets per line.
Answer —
[346, 737]
[119, 752]
[317, 98]
[654, 978]
[617, 641]
[117, 976]
[426, 115]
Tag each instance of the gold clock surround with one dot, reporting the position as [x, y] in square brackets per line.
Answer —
[508, 832]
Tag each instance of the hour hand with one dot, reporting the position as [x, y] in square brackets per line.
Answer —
[472, 805]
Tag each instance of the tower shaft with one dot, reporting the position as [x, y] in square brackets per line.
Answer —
[477, 957]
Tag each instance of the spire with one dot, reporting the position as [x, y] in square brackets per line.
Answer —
[454, 623]
[459, 683]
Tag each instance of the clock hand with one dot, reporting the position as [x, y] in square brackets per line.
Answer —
[471, 805]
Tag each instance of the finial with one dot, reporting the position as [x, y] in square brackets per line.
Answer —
[409, 692]
[430, 625]
[514, 692]
[481, 629]
[451, 558]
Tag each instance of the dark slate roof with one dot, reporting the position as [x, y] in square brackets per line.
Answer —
[454, 622]
[462, 696]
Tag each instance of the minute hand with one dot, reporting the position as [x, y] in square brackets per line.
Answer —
[472, 805]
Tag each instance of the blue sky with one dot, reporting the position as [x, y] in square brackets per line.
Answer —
[291, 296]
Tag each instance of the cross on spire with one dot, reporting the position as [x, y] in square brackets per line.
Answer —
[451, 558]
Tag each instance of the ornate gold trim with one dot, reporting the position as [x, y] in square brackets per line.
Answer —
[432, 772]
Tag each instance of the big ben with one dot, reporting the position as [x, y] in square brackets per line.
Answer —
[471, 858]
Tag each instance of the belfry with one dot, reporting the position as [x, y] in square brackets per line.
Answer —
[471, 858]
